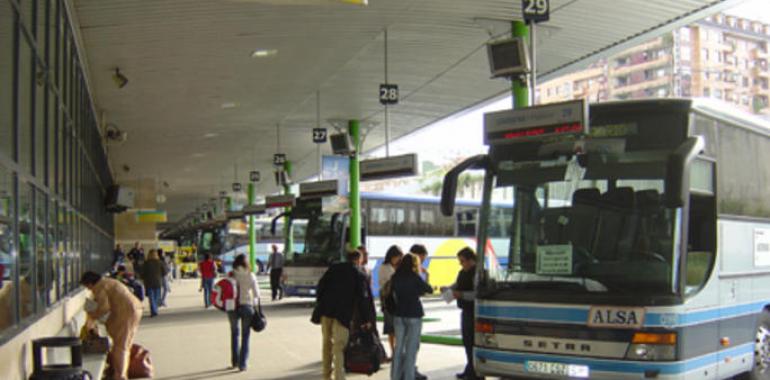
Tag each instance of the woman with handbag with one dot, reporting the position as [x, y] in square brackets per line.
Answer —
[248, 297]
[388, 267]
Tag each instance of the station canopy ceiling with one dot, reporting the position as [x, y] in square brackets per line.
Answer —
[197, 101]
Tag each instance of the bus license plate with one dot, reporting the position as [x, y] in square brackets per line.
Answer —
[549, 368]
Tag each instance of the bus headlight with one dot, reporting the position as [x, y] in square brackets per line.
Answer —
[652, 346]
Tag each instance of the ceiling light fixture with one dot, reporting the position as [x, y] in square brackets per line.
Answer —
[262, 53]
[228, 105]
[210, 135]
[198, 155]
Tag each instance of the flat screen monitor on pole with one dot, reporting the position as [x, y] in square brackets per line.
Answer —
[508, 58]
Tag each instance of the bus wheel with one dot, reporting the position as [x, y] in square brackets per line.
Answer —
[761, 369]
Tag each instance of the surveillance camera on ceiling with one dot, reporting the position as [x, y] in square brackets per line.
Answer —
[119, 79]
[113, 135]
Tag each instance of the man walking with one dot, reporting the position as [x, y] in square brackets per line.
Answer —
[208, 270]
[342, 291]
[275, 267]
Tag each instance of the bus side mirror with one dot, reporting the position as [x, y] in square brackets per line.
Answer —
[678, 171]
[449, 187]
[275, 221]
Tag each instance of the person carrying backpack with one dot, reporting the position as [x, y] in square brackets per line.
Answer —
[388, 267]
[247, 297]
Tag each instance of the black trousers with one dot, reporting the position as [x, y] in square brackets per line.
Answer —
[467, 327]
[275, 282]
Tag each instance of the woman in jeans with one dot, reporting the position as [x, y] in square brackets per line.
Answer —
[392, 258]
[407, 287]
[248, 295]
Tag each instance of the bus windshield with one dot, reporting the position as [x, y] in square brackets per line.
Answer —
[322, 242]
[598, 227]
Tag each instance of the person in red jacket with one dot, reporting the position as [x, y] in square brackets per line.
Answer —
[208, 270]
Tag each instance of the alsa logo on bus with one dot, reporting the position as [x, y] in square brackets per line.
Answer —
[616, 317]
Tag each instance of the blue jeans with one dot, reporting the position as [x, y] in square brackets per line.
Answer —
[153, 294]
[207, 284]
[239, 358]
[408, 332]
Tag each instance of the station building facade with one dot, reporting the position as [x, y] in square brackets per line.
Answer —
[54, 176]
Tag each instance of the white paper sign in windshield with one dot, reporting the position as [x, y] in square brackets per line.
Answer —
[761, 247]
[554, 259]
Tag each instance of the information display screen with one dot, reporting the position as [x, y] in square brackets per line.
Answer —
[536, 123]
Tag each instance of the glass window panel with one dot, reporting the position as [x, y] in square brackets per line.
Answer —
[40, 251]
[40, 122]
[27, 15]
[7, 263]
[25, 101]
[6, 76]
[26, 241]
[51, 138]
[52, 267]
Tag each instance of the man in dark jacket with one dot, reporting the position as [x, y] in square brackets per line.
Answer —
[341, 291]
[463, 291]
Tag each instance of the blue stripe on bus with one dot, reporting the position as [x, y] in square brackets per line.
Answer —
[620, 366]
[572, 315]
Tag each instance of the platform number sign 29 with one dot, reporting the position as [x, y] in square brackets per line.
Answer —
[389, 93]
[319, 135]
[535, 10]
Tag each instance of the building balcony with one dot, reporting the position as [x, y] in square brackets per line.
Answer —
[758, 53]
[624, 70]
[658, 82]
[758, 71]
[651, 45]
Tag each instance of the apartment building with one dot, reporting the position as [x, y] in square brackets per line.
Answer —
[722, 57]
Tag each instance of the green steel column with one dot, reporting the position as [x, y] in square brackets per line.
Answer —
[288, 239]
[519, 89]
[252, 237]
[354, 128]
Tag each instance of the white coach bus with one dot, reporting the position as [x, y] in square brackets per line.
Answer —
[639, 246]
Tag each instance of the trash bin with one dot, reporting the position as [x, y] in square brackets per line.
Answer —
[59, 371]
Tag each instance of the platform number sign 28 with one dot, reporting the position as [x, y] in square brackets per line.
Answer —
[319, 135]
[389, 93]
[535, 10]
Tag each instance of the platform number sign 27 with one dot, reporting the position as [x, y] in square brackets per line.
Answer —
[389, 93]
[535, 10]
[319, 135]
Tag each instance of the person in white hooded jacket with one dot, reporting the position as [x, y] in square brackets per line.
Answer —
[248, 296]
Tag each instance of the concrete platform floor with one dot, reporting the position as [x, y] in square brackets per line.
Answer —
[188, 342]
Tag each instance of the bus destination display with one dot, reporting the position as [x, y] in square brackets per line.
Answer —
[536, 123]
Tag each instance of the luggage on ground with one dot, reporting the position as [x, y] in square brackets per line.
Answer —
[364, 353]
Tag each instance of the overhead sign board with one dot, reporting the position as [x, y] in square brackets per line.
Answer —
[254, 176]
[390, 167]
[234, 214]
[254, 209]
[536, 123]
[280, 201]
[237, 187]
[319, 188]
[535, 10]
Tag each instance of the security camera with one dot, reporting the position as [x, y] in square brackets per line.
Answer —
[119, 79]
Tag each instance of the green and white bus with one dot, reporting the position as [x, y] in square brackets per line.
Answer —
[639, 246]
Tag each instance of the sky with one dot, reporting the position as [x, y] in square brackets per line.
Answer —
[752, 9]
